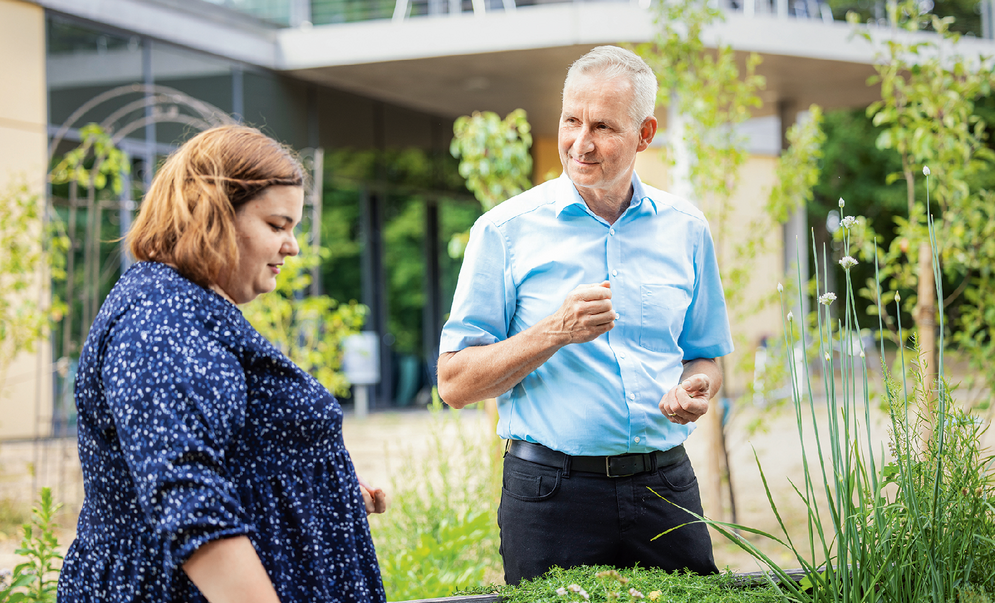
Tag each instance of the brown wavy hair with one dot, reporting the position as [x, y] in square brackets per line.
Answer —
[188, 216]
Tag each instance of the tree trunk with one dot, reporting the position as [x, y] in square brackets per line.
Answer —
[711, 478]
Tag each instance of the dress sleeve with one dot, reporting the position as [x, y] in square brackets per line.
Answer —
[706, 331]
[485, 298]
[177, 397]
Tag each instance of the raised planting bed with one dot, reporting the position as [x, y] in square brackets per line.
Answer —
[731, 583]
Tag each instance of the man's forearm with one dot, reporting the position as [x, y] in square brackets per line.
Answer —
[481, 372]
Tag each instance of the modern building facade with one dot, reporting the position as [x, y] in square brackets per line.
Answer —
[368, 91]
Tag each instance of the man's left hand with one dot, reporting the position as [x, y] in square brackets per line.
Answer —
[688, 400]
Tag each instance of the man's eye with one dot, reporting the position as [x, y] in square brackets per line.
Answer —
[276, 227]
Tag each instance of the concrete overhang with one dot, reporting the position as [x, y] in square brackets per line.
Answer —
[453, 65]
[192, 24]
[501, 61]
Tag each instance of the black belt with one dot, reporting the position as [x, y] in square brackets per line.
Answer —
[622, 465]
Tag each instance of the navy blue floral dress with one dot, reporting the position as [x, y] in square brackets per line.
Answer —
[193, 427]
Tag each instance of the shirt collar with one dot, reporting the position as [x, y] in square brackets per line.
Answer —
[567, 195]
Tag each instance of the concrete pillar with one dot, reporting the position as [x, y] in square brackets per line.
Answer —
[26, 398]
[797, 239]
[987, 19]
[680, 180]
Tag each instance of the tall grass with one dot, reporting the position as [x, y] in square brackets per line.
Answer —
[914, 524]
[440, 534]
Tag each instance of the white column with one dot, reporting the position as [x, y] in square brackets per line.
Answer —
[400, 10]
[797, 239]
[680, 180]
[988, 19]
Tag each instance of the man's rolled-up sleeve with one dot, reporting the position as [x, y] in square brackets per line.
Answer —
[485, 297]
[177, 398]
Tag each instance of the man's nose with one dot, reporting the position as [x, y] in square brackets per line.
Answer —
[584, 143]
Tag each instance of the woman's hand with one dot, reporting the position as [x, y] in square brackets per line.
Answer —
[374, 498]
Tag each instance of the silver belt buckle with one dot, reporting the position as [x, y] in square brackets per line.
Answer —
[608, 469]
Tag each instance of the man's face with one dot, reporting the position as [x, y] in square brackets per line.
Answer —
[597, 140]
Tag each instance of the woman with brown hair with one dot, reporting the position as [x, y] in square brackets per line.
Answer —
[214, 467]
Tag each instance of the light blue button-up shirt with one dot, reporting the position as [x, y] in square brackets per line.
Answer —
[599, 397]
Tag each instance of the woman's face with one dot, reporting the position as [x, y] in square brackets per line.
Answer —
[265, 229]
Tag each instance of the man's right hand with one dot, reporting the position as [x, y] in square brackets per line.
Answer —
[487, 371]
[585, 314]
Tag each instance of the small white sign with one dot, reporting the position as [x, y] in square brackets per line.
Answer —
[361, 358]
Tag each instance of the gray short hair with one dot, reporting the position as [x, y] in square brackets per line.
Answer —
[611, 62]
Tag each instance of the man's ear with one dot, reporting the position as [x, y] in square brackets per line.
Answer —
[647, 130]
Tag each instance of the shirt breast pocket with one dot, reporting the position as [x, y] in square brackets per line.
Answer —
[663, 310]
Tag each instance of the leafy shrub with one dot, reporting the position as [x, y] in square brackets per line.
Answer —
[35, 580]
[309, 329]
[441, 532]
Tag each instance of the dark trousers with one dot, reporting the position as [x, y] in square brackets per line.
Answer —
[551, 517]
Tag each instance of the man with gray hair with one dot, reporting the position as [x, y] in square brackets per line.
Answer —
[591, 307]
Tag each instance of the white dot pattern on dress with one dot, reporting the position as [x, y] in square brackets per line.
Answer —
[193, 427]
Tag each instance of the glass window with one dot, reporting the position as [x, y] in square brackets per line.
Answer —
[86, 69]
[199, 79]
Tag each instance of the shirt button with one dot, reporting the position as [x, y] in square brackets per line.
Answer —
[614, 272]
[621, 355]
[611, 231]
[636, 439]
[632, 396]
[617, 316]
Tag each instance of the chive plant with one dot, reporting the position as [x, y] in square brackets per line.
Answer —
[915, 525]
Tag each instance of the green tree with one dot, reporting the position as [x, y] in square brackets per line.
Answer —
[404, 240]
[26, 312]
[309, 329]
[855, 169]
[88, 176]
[927, 114]
[967, 13]
[713, 96]
[494, 160]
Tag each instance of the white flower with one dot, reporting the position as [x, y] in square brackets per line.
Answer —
[580, 591]
[848, 262]
[925, 170]
[635, 594]
[561, 591]
[827, 357]
[827, 298]
[898, 297]
[780, 288]
[862, 353]
[790, 316]
[842, 203]
[849, 222]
